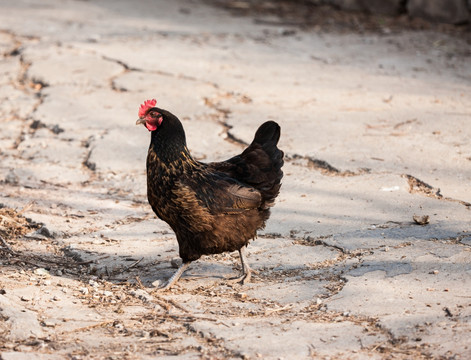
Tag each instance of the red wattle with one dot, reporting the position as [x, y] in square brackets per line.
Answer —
[151, 127]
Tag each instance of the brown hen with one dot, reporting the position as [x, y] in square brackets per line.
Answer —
[214, 207]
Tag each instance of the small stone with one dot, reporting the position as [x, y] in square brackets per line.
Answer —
[56, 129]
[434, 272]
[56, 298]
[26, 298]
[11, 178]
[84, 291]
[107, 293]
[41, 272]
[58, 272]
[318, 301]
[242, 295]
[142, 333]
[44, 231]
[157, 283]
[47, 282]
[421, 219]
[49, 323]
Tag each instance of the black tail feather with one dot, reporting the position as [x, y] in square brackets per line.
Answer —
[260, 163]
[269, 164]
[268, 132]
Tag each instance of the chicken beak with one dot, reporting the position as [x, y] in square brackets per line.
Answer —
[140, 121]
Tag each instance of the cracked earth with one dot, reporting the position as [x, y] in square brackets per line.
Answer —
[367, 252]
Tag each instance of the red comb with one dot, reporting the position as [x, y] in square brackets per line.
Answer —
[146, 106]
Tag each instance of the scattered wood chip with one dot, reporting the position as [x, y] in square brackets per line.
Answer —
[447, 312]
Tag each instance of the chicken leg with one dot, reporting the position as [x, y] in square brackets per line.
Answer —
[246, 270]
[181, 269]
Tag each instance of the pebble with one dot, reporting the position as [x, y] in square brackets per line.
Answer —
[242, 295]
[142, 334]
[84, 290]
[26, 298]
[157, 283]
[42, 272]
[44, 231]
[11, 178]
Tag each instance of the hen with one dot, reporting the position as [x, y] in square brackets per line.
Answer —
[214, 207]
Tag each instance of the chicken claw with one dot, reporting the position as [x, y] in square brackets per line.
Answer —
[181, 269]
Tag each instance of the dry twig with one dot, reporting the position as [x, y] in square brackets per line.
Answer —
[7, 247]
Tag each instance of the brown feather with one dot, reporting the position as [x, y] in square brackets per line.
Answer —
[214, 207]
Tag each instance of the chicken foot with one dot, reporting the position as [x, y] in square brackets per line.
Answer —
[181, 269]
[246, 270]
[243, 278]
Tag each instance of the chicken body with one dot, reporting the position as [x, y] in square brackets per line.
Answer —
[214, 207]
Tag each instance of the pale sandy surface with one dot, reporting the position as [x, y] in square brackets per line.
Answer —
[376, 128]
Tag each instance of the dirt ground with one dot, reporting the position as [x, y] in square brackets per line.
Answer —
[367, 252]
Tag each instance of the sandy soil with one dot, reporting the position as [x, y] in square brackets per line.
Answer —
[367, 252]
